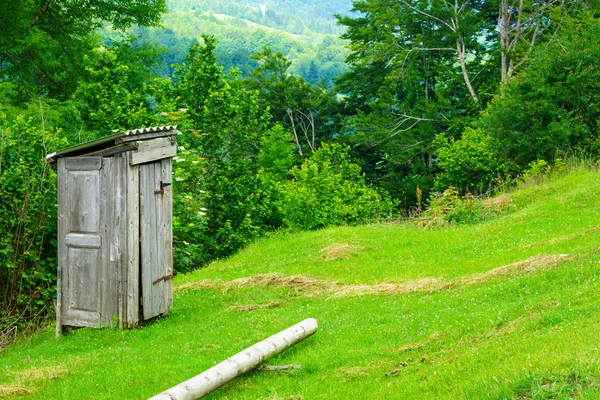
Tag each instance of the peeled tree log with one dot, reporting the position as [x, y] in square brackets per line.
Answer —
[242, 362]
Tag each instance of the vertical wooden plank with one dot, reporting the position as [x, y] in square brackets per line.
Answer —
[62, 233]
[167, 230]
[132, 294]
[159, 264]
[148, 247]
[119, 257]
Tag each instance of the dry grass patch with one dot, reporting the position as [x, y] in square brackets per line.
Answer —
[25, 381]
[38, 374]
[13, 391]
[310, 287]
[250, 307]
[352, 372]
[340, 251]
[563, 238]
[546, 261]
[421, 285]
[499, 203]
[415, 346]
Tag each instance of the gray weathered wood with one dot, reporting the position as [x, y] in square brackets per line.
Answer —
[83, 164]
[62, 247]
[118, 236]
[146, 136]
[82, 182]
[148, 245]
[166, 242]
[154, 154]
[83, 240]
[155, 144]
[115, 229]
[111, 151]
[132, 294]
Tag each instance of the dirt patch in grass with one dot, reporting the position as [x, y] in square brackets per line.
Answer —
[250, 307]
[309, 287]
[340, 251]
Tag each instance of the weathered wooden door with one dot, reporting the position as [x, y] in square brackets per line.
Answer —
[85, 291]
[155, 237]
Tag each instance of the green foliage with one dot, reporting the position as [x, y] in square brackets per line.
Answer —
[189, 213]
[472, 163]
[116, 91]
[42, 42]
[305, 110]
[228, 130]
[27, 219]
[552, 107]
[327, 190]
[276, 155]
[449, 208]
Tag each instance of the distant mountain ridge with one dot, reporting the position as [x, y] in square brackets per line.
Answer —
[294, 16]
[305, 31]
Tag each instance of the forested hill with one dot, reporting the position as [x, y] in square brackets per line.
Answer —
[294, 16]
[306, 32]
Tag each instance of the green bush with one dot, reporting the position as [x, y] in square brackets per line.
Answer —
[472, 163]
[27, 221]
[327, 189]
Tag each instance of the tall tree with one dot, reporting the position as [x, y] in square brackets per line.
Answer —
[306, 110]
[42, 42]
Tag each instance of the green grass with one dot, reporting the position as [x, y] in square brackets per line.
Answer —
[529, 335]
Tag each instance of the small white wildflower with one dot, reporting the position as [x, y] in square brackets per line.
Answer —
[178, 179]
[201, 213]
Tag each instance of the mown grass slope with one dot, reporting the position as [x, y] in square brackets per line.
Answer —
[505, 309]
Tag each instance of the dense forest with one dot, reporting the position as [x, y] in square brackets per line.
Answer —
[306, 33]
[435, 101]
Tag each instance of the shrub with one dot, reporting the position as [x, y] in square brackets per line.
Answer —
[449, 208]
[27, 221]
[472, 163]
[327, 190]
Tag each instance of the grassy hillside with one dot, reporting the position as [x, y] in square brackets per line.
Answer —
[505, 309]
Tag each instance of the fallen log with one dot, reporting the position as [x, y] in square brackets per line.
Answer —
[240, 363]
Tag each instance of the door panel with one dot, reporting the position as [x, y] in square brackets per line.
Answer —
[81, 236]
[155, 237]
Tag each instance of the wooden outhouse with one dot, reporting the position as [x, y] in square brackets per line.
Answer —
[115, 260]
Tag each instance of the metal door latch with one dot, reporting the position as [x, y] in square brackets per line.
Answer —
[163, 185]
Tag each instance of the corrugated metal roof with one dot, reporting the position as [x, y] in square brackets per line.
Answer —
[113, 140]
